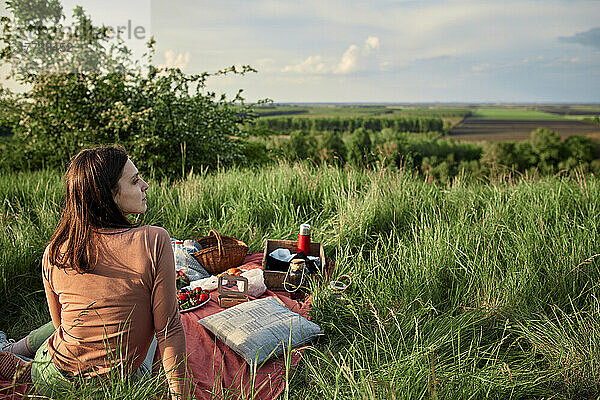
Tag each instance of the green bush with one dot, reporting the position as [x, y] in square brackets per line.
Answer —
[543, 154]
[332, 149]
[546, 146]
[359, 148]
[163, 117]
[580, 148]
[301, 146]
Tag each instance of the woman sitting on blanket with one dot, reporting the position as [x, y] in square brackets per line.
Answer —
[110, 285]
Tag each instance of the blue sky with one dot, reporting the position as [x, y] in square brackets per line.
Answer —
[378, 51]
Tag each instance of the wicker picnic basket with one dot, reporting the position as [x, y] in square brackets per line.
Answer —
[220, 253]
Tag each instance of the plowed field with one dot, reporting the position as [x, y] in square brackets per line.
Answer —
[496, 130]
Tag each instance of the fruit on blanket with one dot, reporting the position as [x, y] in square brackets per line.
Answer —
[190, 298]
[183, 296]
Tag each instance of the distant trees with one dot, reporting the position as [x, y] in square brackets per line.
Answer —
[333, 149]
[543, 153]
[359, 148]
[440, 158]
[280, 125]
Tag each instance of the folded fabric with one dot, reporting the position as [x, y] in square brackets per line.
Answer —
[260, 329]
[208, 284]
[256, 282]
[192, 263]
[187, 263]
[191, 246]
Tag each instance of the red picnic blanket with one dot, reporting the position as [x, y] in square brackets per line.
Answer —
[217, 371]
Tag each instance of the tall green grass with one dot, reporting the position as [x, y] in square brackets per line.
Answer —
[514, 113]
[461, 291]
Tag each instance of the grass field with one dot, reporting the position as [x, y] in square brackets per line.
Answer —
[510, 113]
[465, 291]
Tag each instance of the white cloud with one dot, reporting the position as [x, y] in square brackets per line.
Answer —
[417, 30]
[312, 65]
[349, 60]
[354, 58]
[528, 62]
[372, 42]
[173, 60]
[480, 67]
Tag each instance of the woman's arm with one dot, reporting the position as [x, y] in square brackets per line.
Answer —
[53, 305]
[167, 321]
[51, 297]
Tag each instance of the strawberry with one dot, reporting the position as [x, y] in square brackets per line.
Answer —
[183, 296]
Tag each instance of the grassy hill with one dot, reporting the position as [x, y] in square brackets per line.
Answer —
[461, 291]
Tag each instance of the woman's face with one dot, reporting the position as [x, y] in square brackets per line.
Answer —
[131, 191]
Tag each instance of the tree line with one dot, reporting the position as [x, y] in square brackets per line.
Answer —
[276, 125]
[435, 157]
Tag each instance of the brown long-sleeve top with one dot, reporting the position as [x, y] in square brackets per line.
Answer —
[106, 317]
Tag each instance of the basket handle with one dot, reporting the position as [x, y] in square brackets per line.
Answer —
[214, 233]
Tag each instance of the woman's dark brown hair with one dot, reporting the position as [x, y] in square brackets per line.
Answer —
[91, 179]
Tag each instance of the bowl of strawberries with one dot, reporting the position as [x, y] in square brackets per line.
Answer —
[191, 299]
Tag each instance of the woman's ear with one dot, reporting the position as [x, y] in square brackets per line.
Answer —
[115, 194]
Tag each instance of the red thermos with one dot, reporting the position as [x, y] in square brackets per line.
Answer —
[304, 239]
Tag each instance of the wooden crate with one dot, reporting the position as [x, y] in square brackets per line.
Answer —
[274, 279]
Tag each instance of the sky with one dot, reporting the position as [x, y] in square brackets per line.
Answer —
[375, 51]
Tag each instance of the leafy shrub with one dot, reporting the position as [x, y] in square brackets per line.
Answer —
[359, 148]
[163, 117]
[301, 146]
[332, 149]
[580, 148]
[546, 146]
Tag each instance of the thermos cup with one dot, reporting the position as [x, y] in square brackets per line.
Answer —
[304, 239]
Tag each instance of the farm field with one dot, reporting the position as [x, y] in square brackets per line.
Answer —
[496, 130]
[572, 110]
[468, 122]
[476, 291]
[514, 123]
[513, 113]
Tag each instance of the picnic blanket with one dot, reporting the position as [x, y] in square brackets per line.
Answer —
[217, 371]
